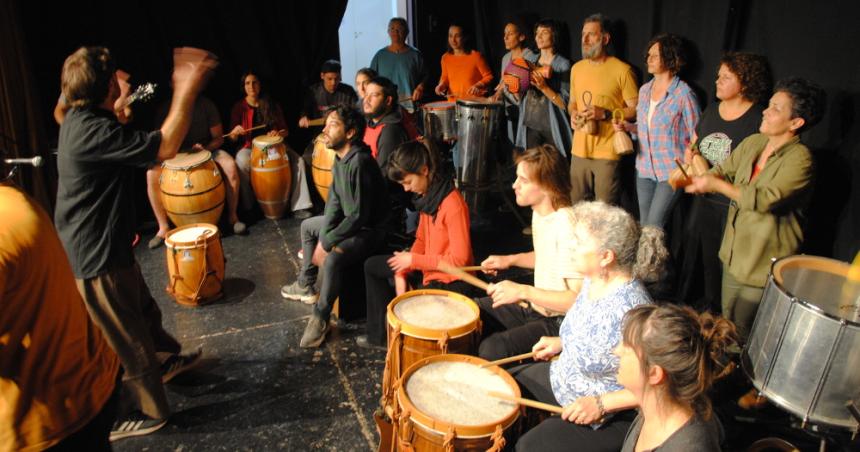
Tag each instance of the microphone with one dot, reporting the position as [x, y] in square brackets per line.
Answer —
[35, 161]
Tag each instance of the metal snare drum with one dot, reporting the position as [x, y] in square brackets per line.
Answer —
[440, 121]
[803, 352]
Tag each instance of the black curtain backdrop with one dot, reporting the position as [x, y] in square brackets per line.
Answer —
[287, 41]
[817, 40]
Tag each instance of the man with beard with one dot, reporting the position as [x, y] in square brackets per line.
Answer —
[352, 228]
[385, 131]
[599, 84]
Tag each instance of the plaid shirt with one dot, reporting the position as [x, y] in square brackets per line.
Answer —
[672, 126]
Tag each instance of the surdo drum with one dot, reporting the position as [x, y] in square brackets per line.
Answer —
[440, 121]
[195, 264]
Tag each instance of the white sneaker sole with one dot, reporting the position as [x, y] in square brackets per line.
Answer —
[128, 429]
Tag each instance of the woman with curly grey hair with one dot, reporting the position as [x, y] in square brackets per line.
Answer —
[614, 254]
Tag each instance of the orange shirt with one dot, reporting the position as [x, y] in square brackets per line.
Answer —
[56, 369]
[445, 238]
[460, 72]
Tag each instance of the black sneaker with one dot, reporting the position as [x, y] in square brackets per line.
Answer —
[177, 364]
[135, 424]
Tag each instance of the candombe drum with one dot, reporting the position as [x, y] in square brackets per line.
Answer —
[195, 264]
[478, 123]
[270, 175]
[803, 352]
[444, 403]
[192, 189]
[321, 165]
[424, 323]
[440, 121]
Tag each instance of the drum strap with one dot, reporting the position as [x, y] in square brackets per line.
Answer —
[403, 433]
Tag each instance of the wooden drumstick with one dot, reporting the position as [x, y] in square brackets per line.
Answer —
[316, 122]
[247, 130]
[454, 271]
[471, 268]
[509, 359]
[527, 402]
[681, 167]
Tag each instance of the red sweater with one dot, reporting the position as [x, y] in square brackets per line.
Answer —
[243, 115]
[446, 238]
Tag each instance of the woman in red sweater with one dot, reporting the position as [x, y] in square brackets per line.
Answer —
[443, 234]
[464, 71]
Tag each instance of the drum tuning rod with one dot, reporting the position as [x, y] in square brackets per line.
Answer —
[527, 402]
[509, 359]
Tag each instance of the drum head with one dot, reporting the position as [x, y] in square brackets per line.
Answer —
[439, 106]
[190, 234]
[479, 102]
[821, 283]
[186, 160]
[266, 140]
[435, 312]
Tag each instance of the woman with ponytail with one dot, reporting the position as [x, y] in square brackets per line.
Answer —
[442, 235]
[669, 357]
[614, 254]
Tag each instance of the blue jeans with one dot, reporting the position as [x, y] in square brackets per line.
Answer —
[655, 200]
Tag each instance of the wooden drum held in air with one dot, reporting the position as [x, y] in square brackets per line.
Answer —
[192, 189]
[321, 166]
[443, 403]
[195, 264]
[424, 323]
[270, 175]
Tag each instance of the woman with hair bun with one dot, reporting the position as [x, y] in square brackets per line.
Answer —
[668, 359]
[614, 254]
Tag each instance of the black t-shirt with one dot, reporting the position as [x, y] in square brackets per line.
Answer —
[717, 137]
[318, 100]
[95, 216]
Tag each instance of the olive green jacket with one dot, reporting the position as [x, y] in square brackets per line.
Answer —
[768, 220]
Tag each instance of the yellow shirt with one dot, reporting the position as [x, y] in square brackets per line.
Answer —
[610, 84]
[56, 369]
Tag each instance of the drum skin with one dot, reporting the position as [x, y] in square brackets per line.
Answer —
[195, 266]
[192, 189]
[321, 166]
[417, 431]
[271, 178]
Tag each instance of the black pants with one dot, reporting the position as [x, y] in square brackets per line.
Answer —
[556, 434]
[700, 275]
[512, 330]
[379, 282]
[536, 137]
[94, 436]
[352, 250]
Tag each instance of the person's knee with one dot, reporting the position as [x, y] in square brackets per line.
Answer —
[493, 348]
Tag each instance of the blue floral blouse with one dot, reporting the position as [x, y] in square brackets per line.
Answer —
[590, 331]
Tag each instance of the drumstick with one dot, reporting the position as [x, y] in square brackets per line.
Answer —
[471, 268]
[681, 167]
[316, 122]
[247, 130]
[454, 271]
[509, 359]
[527, 402]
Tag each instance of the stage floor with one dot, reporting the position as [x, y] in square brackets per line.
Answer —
[257, 389]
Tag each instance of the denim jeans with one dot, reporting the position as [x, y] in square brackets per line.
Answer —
[655, 200]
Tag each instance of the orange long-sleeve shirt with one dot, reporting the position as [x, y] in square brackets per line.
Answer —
[460, 72]
[446, 238]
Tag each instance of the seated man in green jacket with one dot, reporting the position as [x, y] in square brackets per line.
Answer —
[353, 226]
[769, 180]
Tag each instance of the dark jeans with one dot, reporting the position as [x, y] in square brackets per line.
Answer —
[94, 436]
[352, 250]
[379, 283]
[557, 434]
[512, 330]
